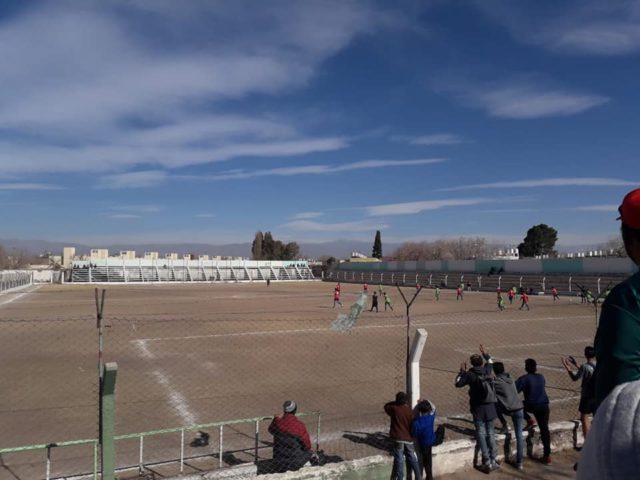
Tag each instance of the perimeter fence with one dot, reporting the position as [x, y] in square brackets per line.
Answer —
[12, 279]
[197, 390]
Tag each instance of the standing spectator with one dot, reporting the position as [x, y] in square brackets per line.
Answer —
[422, 429]
[525, 300]
[508, 403]
[374, 302]
[554, 292]
[336, 298]
[400, 433]
[617, 343]
[460, 294]
[587, 389]
[536, 402]
[387, 301]
[291, 443]
[437, 294]
[482, 403]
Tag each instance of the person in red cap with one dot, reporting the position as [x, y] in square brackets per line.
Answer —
[617, 342]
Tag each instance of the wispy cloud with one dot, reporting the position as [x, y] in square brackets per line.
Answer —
[138, 208]
[123, 216]
[307, 215]
[547, 182]
[324, 169]
[409, 208]
[586, 27]
[28, 186]
[151, 178]
[598, 208]
[437, 139]
[357, 226]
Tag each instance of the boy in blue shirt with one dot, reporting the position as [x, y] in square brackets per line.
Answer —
[422, 429]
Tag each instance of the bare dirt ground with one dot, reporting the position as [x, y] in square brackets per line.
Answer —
[198, 353]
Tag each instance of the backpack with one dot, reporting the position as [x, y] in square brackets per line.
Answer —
[488, 389]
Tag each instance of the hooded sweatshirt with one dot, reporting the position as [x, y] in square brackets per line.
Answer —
[507, 393]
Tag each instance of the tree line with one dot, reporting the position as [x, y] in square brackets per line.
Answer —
[265, 247]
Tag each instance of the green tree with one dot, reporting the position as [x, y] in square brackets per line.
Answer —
[540, 240]
[256, 246]
[377, 246]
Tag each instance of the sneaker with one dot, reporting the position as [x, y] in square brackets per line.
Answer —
[485, 468]
[531, 423]
[494, 465]
[546, 460]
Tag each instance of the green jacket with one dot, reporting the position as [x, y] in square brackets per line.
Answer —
[617, 342]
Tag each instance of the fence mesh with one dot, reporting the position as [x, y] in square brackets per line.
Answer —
[203, 369]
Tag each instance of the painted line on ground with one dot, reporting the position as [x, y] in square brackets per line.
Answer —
[18, 296]
[366, 327]
[518, 345]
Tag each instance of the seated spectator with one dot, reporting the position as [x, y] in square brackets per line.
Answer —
[291, 442]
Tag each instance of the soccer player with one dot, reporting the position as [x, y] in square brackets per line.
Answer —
[387, 301]
[336, 298]
[437, 294]
[500, 302]
[459, 293]
[511, 295]
[365, 287]
[525, 300]
[374, 301]
[554, 292]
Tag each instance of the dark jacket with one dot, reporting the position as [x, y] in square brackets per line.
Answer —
[401, 418]
[473, 378]
[507, 393]
[533, 387]
[291, 443]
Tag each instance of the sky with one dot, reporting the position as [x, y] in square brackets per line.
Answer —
[205, 121]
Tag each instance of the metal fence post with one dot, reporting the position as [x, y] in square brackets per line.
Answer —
[107, 420]
[416, 353]
[255, 454]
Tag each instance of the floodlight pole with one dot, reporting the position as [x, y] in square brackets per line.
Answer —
[408, 354]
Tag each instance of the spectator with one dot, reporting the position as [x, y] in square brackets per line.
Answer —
[508, 403]
[291, 443]
[611, 451]
[422, 430]
[482, 402]
[536, 402]
[617, 342]
[400, 433]
[587, 389]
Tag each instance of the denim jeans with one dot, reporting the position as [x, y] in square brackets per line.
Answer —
[406, 450]
[517, 417]
[485, 430]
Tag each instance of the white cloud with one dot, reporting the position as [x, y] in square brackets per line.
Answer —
[548, 182]
[316, 169]
[586, 27]
[28, 186]
[437, 139]
[151, 178]
[123, 216]
[307, 215]
[113, 86]
[598, 208]
[357, 226]
[421, 206]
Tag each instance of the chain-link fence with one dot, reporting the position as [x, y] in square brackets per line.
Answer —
[202, 370]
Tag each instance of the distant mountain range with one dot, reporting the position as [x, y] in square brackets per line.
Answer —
[336, 248]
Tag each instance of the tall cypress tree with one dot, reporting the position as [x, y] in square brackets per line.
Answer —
[377, 246]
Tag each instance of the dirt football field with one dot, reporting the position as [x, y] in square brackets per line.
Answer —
[191, 354]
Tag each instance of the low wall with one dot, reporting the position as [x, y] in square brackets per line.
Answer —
[450, 457]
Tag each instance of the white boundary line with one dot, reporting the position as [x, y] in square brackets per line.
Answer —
[366, 327]
[13, 298]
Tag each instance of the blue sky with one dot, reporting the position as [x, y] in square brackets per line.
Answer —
[204, 121]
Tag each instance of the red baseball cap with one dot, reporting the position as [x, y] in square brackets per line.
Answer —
[630, 209]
